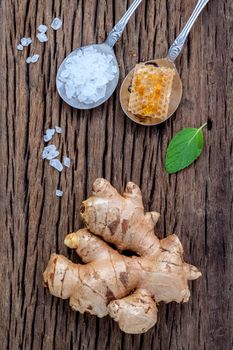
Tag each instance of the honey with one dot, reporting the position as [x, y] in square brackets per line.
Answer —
[151, 90]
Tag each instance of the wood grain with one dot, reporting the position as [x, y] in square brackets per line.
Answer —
[196, 203]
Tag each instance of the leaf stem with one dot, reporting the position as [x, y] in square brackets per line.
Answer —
[202, 127]
[197, 132]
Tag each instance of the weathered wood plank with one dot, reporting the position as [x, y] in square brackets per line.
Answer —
[196, 203]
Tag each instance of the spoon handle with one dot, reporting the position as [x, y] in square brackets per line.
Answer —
[178, 44]
[117, 31]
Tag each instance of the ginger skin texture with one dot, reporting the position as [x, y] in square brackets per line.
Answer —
[128, 288]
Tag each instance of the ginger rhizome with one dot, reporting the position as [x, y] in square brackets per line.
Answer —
[128, 288]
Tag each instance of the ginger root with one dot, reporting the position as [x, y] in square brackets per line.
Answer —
[128, 288]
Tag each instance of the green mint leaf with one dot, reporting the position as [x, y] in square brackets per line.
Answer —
[185, 147]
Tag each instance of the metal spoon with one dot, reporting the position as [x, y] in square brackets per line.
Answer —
[105, 48]
[173, 53]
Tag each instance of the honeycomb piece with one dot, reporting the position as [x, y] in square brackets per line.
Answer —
[150, 91]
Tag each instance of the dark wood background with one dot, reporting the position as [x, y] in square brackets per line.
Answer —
[196, 203]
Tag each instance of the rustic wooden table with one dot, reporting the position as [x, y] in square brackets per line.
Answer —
[196, 203]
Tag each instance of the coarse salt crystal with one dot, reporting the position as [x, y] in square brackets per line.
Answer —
[28, 60]
[42, 28]
[56, 23]
[66, 161]
[55, 163]
[49, 134]
[86, 74]
[59, 193]
[47, 150]
[20, 47]
[42, 37]
[25, 41]
[70, 90]
[58, 129]
[50, 152]
[35, 58]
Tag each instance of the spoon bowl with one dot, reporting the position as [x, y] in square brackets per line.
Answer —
[175, 97]
[110, 87]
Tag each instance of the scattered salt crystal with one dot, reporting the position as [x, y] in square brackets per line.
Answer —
[47, 150]
[66, 161]
[42, 28]
[50, 152]
[58, 129]
[20, 47]
[42, 37]
[86, 74]
[55, 163]
[56, 23]
[25, 41]
[59, 193]
[35, 58]
[49, 134]
[29, 60]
